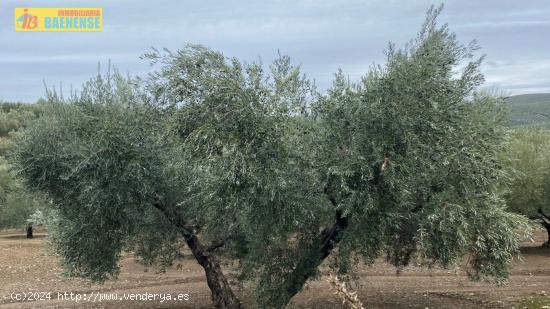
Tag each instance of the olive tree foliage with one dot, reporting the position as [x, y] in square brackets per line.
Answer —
[235, 125]
[97, 157]
[411, 157]
[252, 165]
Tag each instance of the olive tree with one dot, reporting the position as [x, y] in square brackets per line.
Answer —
[250, 164]
[16, 204]
[527, 159]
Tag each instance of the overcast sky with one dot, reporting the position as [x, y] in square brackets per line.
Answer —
[321, 36]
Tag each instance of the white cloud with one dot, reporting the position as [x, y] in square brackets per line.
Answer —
[506, 23]
[527, 76]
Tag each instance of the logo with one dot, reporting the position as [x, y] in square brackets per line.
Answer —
[27, 21]
[58, 19]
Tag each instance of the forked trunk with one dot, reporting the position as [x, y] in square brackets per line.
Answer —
[222, 295]
[328, 239]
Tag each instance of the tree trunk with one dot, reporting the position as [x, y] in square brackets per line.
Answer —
[222, 295]
[547, 226]
[29, 231]
[306, 268]
[546, 223]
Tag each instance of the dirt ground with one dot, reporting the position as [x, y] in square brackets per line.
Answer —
[24, 268]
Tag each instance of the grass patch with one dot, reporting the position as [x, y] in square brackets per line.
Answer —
[535, 302]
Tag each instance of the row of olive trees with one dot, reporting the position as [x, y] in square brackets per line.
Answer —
[13, 116]
[16, 203]
[252, 165]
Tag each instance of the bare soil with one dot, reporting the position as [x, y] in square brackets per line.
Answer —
[25, 267]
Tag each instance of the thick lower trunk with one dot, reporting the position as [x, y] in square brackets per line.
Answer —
[306, 268]
[222, 295]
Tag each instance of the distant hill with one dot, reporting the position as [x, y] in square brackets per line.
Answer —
[529, 110]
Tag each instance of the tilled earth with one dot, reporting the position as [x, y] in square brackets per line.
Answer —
[25, 267]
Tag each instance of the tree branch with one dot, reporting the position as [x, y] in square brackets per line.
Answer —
[545, 220]
[544, 217]
[216, 245]
[170, 214]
